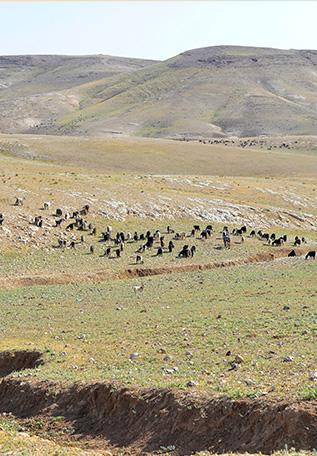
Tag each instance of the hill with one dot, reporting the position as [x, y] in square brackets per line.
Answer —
[210, 92]
[34, 87]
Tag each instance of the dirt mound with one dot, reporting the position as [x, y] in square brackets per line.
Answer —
[11, 361]
[147, 420]
[102, 276]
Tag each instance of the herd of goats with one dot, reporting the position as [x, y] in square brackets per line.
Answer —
[241, 142]
[76, 220]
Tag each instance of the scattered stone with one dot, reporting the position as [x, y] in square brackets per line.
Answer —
[167, 358]
[239, 359]
[313, 376]
[288, 359]
[191, 383]
[286, 308]
[170, 371]
[134, 356]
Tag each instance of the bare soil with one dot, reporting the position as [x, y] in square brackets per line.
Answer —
[11, 361]
[145, 421]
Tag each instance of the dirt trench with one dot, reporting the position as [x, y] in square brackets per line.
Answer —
[103, 276]
[145, 420]
[11, 361]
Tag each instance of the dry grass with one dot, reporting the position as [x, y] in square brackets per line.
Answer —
[150, 156]
[22, 443]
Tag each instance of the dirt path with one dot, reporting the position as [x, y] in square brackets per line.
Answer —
[103, 276]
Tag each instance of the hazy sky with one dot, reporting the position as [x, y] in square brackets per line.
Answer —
[155, 30]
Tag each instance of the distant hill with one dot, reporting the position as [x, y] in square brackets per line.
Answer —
[215, 91]
[36, 88]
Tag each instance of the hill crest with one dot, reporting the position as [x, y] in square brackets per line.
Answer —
[205, 92]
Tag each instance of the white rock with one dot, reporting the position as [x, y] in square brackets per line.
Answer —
[134, 356]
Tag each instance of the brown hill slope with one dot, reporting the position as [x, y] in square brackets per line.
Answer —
[32, 87]
[215, 91]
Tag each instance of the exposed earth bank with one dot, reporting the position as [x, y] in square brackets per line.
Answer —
[148, 420]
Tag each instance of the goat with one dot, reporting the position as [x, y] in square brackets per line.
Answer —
[138, 288]
[139, 259]
[297, 241]
[107, 252]
[18, 201]
[185, 252]
[141, 249]
[278, 242]
[170, 246]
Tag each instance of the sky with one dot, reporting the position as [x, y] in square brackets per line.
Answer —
[153, 30]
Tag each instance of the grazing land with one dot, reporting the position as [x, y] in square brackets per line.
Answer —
[182, 334]
[185, 326]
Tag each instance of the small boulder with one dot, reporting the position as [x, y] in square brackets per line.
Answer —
[134, 356]
[313, 376]
[288, 359]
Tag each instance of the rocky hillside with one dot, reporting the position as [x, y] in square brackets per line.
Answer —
[37, 88]
[215, 91]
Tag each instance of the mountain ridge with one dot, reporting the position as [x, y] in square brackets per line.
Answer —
[215, 91]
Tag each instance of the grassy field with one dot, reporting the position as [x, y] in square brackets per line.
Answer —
[244, 331]
[22, 443]
[49, 261]
[246, 191]
[118, 154]
[99, 323]
[88, 331]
